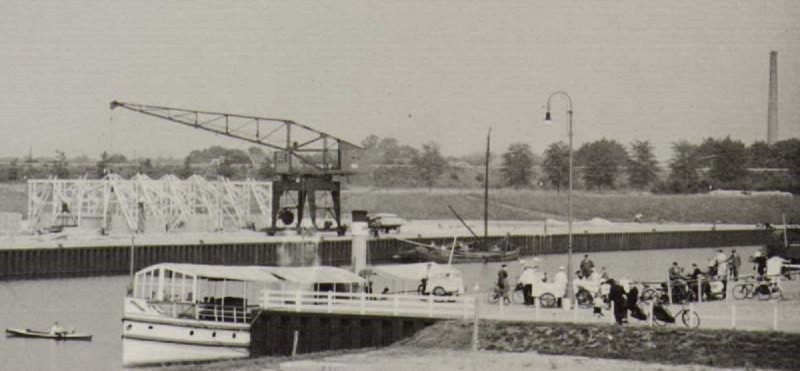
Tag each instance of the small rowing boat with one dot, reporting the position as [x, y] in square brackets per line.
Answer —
[28, 333]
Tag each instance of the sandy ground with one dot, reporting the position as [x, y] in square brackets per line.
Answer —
[406, 358]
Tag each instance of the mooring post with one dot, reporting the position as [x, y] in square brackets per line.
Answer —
[430, 304]
[575, 312]
[475, 325]
[502, 307]
[669, 291]
[775, 317]
[700, 289]
[294, 343]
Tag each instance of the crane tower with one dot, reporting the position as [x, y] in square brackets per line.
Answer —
[307, 162]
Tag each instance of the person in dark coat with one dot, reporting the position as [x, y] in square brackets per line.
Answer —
[633, 299]
[617, 296]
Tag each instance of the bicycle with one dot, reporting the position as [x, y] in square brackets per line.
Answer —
[494, 295]
[680, 293]
[689, 318]
[762, 289]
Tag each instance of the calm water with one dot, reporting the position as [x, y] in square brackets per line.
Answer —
[94, 305]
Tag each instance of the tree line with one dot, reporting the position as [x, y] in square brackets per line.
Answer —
[604, 164]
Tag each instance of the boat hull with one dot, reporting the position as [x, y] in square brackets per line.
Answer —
[443, 257]
[28, 333]
[151, 339]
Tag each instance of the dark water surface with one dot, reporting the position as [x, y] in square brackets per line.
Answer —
[94, 305]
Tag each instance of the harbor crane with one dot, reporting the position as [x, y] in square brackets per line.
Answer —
[306, 161]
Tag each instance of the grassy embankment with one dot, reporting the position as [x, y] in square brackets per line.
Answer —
[507, 204]
[720, 348]
[670, 346]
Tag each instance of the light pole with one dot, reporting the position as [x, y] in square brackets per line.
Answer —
[570, 289]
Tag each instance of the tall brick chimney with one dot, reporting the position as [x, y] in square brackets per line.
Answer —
[772, 109]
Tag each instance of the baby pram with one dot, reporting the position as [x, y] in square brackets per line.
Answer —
[662, 314]
[633, 307]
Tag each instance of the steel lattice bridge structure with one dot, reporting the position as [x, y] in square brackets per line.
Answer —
[144, 205]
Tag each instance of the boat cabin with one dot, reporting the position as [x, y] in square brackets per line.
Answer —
[229, 293]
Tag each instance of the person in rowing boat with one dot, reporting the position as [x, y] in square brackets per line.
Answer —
[56, 329]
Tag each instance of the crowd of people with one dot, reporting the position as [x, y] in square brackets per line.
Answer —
[710, 283]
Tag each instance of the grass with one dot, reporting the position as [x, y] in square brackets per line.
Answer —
[719, 348]
[507, 204]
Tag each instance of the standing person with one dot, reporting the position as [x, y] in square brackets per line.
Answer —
[734, 262]
[502, 283]
[587, 266]
[722, 264]
[526, 279]
[617, 296]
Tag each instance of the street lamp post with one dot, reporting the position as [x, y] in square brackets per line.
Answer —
[570, 289]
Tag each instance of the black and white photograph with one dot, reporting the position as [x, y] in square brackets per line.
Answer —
[391, 185]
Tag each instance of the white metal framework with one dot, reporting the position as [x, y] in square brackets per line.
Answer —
[142, 204]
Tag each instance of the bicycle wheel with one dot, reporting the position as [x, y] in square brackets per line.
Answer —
[649, 294]
[493, 296]
[741, 291]
[659, 321]
[547, 300]
[518, 297]
[690, 319]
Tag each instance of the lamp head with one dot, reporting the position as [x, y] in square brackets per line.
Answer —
[547, 120]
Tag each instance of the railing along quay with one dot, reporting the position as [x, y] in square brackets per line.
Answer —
[57, 262]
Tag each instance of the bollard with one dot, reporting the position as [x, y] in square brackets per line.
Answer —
[669, 291]
[775, 317]
[699, 289]
[294, 343]
[733, 316]
[502, 307]
[475, 326]
[575, 313]
[650, 316]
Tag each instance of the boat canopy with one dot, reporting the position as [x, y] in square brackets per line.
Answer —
[262, 274]
[416, 271]
[237, 273]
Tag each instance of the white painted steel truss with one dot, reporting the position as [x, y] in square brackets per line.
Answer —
[170, 201]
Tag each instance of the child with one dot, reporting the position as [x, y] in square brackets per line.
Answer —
[597, 303]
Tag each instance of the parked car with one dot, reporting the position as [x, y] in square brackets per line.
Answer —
[384, 222]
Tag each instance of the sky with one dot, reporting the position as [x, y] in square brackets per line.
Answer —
[419, 71]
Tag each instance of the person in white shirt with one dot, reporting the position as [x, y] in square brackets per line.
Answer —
[526, 279]
[775, 266]
[722, 264]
